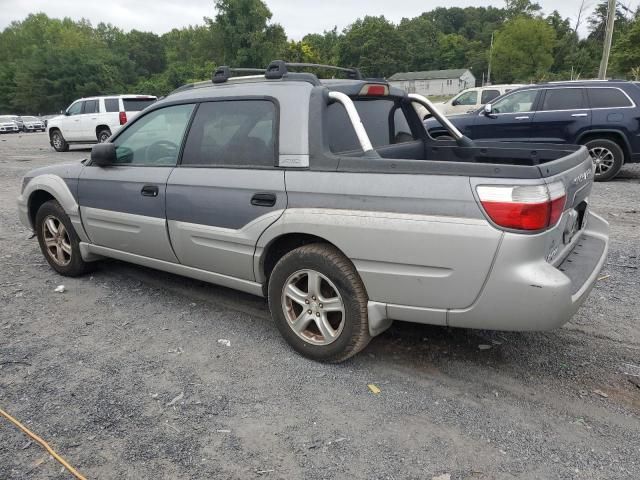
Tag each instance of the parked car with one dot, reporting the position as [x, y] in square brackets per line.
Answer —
[18, 121]
[330, 199]
[94, 119]
[32, 124]
[8, 125]
[602, 115]
[471, 99]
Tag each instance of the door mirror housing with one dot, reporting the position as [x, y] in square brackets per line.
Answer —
[103, 154]
[64, 112]
[455, 102]
[488, 109]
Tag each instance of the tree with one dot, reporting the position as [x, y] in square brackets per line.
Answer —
[523, 49]
[626, 54]
[375, 45]
[520, 8]
[244, 33]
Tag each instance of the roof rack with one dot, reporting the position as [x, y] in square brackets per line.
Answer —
[278, 69]
[224, 73]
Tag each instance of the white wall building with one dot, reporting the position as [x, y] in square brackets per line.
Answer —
[434, 82]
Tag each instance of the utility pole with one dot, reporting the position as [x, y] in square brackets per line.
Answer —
[490, 58]
[611, 18]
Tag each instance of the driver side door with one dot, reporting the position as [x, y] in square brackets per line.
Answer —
[122, 206]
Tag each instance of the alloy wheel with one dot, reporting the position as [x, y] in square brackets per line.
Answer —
[603, 159]
[313, 307]
[56, 240]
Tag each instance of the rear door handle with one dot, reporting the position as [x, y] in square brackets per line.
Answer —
[263, 199]
[149, 191]
[580, 115]
[522, 118]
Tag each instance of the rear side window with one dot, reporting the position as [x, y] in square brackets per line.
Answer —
[235, 132]
[488, 95]
[384, 121]
[136, 104]
[564, 99]
[90, 106]
[608, 98]
[111, 105]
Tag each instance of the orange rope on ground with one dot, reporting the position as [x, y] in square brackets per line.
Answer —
[44, 444]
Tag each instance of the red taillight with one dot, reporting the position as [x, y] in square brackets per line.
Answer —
[526, 207]
[123, 118]
[374, 90]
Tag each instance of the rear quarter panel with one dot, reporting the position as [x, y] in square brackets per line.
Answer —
[415, 240]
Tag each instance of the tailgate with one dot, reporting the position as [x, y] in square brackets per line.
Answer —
[577, 181]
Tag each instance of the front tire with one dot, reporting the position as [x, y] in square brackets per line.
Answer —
[59, 241]
[319, 303]
[58, 142]
[607, 157]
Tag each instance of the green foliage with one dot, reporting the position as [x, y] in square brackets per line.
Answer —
[523, 49]
[46, 63]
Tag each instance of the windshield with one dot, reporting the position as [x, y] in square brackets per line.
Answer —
[30, 119]
[6, 118]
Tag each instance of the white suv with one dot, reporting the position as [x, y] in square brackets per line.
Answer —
[94, 119]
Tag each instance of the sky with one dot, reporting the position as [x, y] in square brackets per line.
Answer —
[298, 17]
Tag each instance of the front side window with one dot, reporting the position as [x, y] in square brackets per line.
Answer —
[75, 109]
[488, 95]
[516, 102]
[154, 139]
[608, 98]
[564, 99]
[234, 132]
[467, 98]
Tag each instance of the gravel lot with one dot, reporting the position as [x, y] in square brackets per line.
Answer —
[124, 376]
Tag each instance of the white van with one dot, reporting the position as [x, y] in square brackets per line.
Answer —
[473, 98]
[94, 119]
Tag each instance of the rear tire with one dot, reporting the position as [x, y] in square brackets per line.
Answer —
[607, 156]
[58, 142]
[319, 303]
[103, 135]
[59, 241]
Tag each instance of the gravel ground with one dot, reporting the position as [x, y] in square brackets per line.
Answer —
[124, 376]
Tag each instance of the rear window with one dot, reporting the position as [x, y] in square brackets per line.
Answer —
[564, 99]
[136, 104]
[111, 105]
[608, 98]
[384, 121]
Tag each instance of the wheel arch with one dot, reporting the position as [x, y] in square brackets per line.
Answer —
[52, 187]
[608, 134]
[102, 127]
[278, 247]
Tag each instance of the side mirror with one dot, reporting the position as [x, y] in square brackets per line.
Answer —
[103, 154]
[455, 103]
[488, 109]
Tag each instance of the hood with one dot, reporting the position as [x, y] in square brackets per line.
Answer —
[64, 170]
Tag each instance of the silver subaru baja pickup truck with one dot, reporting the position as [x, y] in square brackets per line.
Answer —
[329, 198]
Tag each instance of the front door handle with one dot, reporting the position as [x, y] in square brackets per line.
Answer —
[522, 118]
[149, 191]
[580, 115]
[263, 199]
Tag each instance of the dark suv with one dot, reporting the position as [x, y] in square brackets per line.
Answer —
[603, 115]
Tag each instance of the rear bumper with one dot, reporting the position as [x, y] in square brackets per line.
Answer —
[535, 295]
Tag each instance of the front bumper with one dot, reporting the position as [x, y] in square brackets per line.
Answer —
[531, 294]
